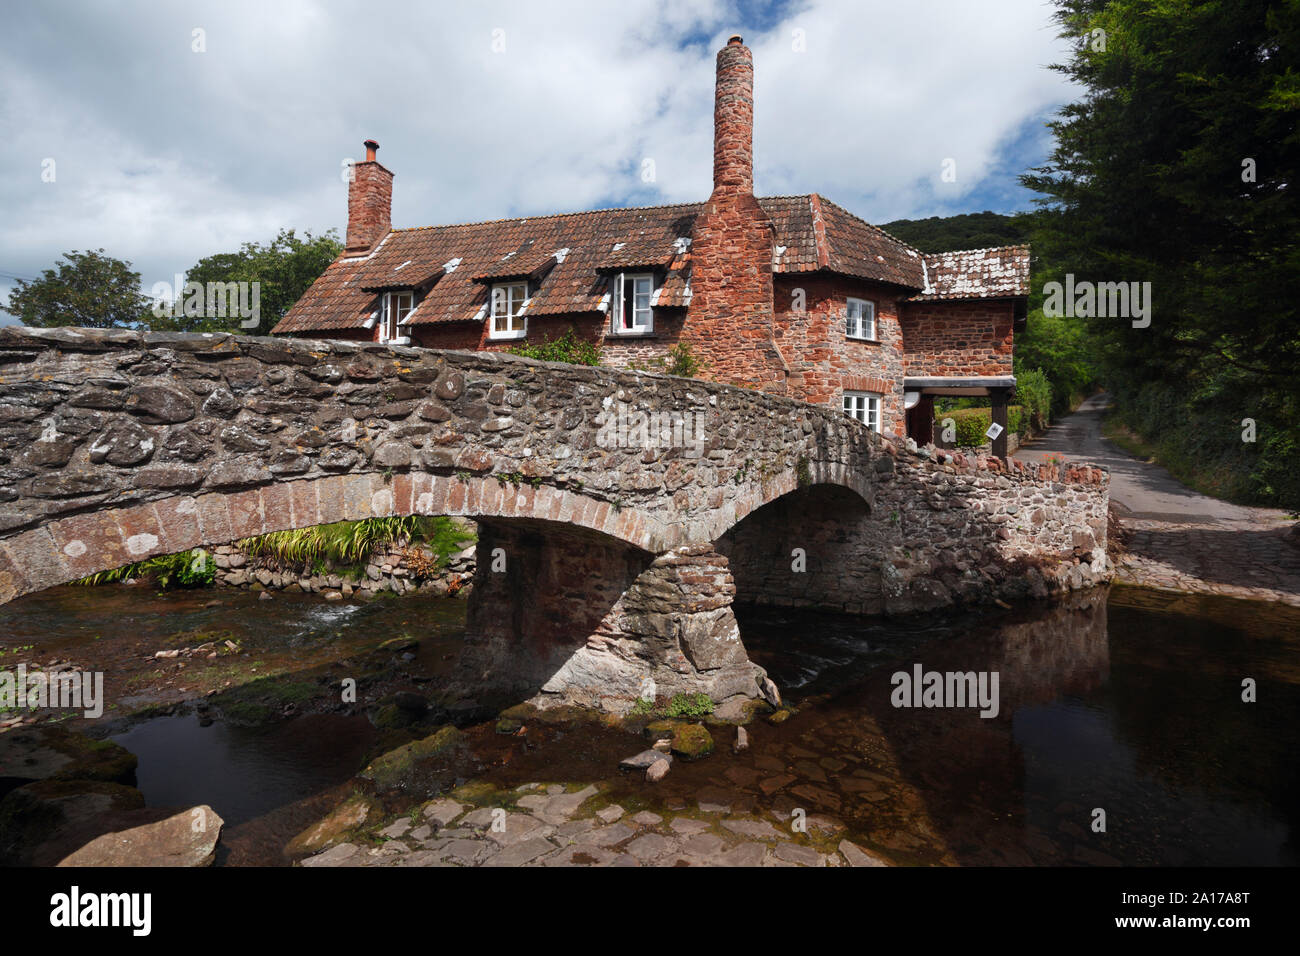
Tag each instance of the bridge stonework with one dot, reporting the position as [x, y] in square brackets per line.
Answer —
[610, 550]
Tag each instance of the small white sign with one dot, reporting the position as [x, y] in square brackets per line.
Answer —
[994, 431]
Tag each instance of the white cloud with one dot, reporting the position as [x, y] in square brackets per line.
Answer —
[165, 155]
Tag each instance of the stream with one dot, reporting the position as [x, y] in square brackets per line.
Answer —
[1127, 700]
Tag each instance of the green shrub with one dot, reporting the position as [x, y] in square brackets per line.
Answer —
[1034, 392]
[972, 423]
[681, 361]
[188, 569]
[689, 705]
[567, 348]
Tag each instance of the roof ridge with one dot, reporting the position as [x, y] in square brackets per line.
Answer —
[950, 252]
[550, 215]
[870, 225]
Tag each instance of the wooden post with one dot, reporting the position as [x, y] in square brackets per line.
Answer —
[999, 415]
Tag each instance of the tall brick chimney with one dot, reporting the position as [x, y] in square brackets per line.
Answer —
[730, 321]
[733, 120]
[370, 202]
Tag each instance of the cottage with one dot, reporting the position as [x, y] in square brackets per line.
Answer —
[792, 295]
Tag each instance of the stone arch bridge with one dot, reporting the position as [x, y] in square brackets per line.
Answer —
[629, 509]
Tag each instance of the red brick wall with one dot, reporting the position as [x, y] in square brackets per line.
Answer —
[958, 337]
[823, 361]
[370, 205]
[622, 351]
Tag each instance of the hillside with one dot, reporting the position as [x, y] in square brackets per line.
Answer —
[974, 230]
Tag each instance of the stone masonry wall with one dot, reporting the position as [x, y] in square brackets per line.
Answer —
[388, 569]
[925, 541]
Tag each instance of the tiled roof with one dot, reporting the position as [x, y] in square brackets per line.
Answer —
[977, 273]
[457, 263]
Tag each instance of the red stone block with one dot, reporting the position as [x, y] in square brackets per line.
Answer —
[245, 510]
[89, 543]
[178, 517]
[214, 518]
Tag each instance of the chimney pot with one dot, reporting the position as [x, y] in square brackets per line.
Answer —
[735, 40]
[371, 146]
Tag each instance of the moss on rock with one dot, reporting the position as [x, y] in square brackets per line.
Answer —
[342, 822]
[398, 767]
[692, 741]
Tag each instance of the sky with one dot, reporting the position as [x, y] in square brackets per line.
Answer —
[166, 132]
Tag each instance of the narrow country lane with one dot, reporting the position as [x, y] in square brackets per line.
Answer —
[1180, 539]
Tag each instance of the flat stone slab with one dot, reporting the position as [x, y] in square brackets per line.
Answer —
[801, 855]
[651, 846]
[605, 836]
[754, 829]
[560, 807]
[519, 827]
[521, 853]
[706, 845]
[463, 851]
[610, 814]
[335, 856]
[577, 855]
[443, 812]
[686, 826]
[747, 854]
[647, 819]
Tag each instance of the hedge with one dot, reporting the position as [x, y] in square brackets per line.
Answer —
[972, 423]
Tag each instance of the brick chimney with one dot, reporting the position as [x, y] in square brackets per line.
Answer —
[733, 120]
[370, 202]
[730, 321]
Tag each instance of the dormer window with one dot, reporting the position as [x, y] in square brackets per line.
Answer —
[507, 320]
[861, 322]
[630, 312]
[396, 307]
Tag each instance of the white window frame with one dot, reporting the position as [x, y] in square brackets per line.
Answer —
[514, 295]
[618, 285]
[391, 316]
[863, 325]
[864, 407]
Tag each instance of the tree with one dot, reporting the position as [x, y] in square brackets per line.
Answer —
[972, 230]
[284, 268]
[86, 289]
[1179, 167]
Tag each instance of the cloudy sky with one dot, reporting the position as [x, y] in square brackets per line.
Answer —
[164, 132]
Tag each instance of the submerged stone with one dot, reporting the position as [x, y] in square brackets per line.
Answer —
[692, 741]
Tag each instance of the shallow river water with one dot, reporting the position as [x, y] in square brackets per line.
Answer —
[1127, 702]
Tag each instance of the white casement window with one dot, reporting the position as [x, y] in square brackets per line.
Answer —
[397, 306]
[508, 300]
[861, 322]
[865, 407]
[630, 312]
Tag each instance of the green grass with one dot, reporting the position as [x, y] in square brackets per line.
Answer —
[348, 544]
[188, 569]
